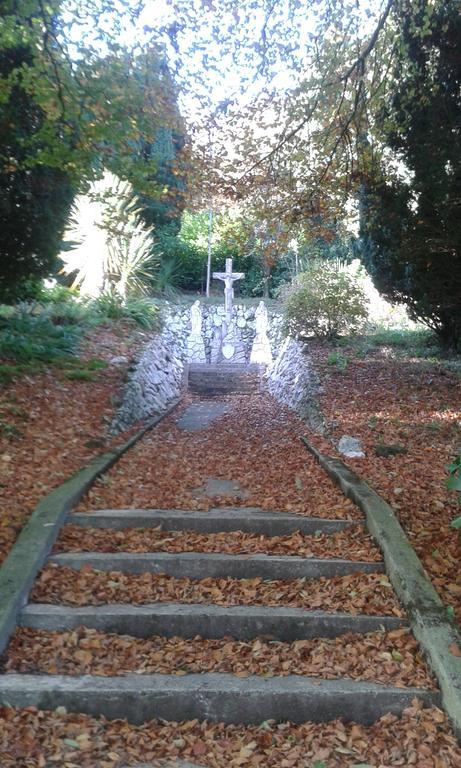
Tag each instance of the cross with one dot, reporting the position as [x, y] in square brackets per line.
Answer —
[228, 278]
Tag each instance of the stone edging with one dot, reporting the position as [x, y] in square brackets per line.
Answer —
[33, 544]
[426, 612]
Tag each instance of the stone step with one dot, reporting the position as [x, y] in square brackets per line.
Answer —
[209, 621]
[211, 696]
[247, 519]
[200, 565]
[213, 380]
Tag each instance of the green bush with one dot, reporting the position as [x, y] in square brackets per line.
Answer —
[141, 310]
[325, 301]
[335, 358]
[31, 335]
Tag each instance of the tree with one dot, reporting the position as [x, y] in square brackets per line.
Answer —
[411, 202]
[35, 198]
[69, 109]
[162, 193]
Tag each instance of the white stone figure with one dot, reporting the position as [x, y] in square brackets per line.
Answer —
[196, 318]
[195, 346]
[261, 353]
[228, 277]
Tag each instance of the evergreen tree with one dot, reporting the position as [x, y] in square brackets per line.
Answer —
[411, 203]
[34, 198]
[162, 197]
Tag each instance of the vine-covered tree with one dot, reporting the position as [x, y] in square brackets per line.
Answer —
[411, 204]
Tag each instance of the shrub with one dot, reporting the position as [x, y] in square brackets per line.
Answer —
[324, 301]
[335, 358]
[107, 246]
[140, 309]
[31, 335]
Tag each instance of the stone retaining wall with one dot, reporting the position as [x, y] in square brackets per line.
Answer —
[158, 376]
[178, 321]
[292, 380]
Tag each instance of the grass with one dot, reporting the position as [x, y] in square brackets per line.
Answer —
[417, 343]
[38, 334]
[337, 359]
[9, 430]
[27, 338]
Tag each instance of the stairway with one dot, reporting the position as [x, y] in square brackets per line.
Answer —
[224, 379]
[212, 696]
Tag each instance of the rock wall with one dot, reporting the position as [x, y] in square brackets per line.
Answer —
[178, 321]
[158, 375]
[292, 380]
[156, 380]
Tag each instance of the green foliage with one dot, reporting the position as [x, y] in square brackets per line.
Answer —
[453, 483]
[325, 301]
[185, 255]
[31, 335]
[164, 210]
[71, 104]
[142, 310]
[34, 201]
[400, 337]
[9, 430]
[411, 223]
[336, 358]
[108, 247]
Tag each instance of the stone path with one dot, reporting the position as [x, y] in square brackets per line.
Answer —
[213, 696]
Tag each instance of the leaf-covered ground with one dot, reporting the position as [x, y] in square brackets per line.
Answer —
[383, 398]
[32, 739]
[382, 657]
[256, 444]
[353, 544]
[368, 593]
[51, 426]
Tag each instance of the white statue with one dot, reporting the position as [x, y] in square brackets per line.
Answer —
[195, 346]
[196, 318]
[261, 353]
[261, 318]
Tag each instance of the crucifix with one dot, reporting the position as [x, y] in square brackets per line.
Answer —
[228, 278]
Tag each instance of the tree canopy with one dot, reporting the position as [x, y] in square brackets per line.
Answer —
[286, 110]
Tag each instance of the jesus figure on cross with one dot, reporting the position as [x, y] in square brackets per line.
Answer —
[228, 278]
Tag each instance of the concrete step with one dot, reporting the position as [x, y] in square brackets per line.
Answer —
[209, 621]
[247, 519]
[199, 565]
[211, 696]
[222, 379]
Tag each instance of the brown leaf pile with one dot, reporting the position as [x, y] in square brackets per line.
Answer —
[382, 657]
[257, 444]
[382, 398]
[61, 425]
[368, 593]
[352, 544]
[33, 739]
